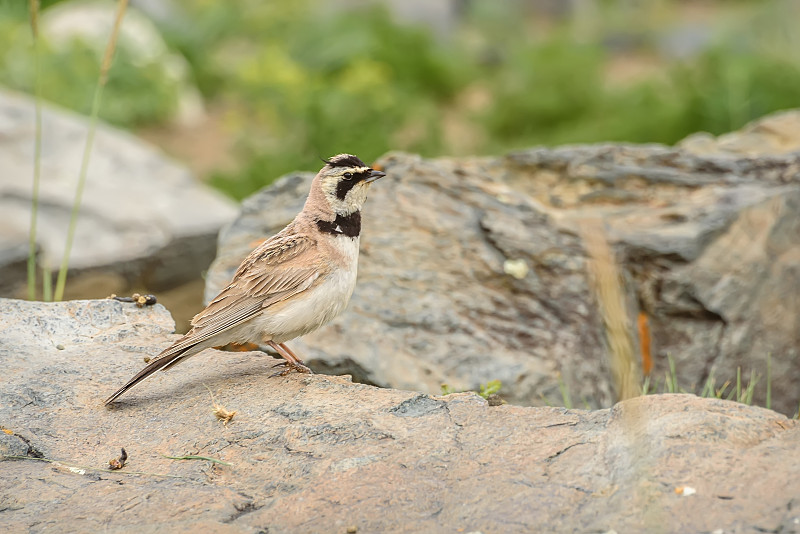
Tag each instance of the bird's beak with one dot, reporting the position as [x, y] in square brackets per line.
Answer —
[374, 175]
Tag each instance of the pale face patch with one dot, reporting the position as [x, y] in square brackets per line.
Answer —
[346, 188]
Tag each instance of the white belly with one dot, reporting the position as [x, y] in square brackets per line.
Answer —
[314, 307]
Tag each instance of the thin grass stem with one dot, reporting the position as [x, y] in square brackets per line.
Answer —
[564, 392]
[739, 384]
[672, 377]
[769, 381]
[98, 94]
[721, 390]
[708, 388]
[751, 387]
[37, 148]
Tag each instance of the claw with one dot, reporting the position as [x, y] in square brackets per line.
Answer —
[302, 368]
[291, 366]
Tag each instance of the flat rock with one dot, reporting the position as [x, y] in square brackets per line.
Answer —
[477, 269]
[321, 454]
[143, 215]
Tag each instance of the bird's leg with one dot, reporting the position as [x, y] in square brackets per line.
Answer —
[291, 352]
[292, 363]
[300, 363]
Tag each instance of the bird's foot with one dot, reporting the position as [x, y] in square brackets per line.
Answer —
[298, 366]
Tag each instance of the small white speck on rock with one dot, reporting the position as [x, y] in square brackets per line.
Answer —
[517, 268]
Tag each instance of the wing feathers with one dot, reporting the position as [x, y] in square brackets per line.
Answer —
[276, 270]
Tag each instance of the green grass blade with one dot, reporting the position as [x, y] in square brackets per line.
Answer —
[37, 148]
[739, 384]
[751, 387]
[672, 377]
[708, 388]
[769, 381]
[98, 94]
[721, 391]
[564, 392]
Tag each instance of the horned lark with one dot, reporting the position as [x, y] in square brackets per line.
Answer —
[291, 284]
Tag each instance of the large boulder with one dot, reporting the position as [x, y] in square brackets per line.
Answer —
[143, 218]
[476, 269]
[321, 454]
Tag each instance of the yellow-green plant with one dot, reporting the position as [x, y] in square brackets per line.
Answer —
[492, 387]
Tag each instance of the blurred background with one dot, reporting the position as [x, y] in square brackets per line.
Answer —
[244, 91]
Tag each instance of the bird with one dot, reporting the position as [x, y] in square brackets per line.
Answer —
[291, 284]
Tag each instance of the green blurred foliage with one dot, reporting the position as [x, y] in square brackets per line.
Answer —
[136, 92]
[716, 92]
[302, 80]
[335, 83]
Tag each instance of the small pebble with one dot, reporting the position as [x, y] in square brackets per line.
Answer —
[60, 346]
[517, 268]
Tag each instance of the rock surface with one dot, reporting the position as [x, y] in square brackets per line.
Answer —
[143, 217]
[321, 454]
[774, 135]
[476, 269]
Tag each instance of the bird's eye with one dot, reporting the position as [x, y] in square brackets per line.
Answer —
[348, 175]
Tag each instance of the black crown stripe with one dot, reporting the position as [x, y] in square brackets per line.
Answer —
[345, 160]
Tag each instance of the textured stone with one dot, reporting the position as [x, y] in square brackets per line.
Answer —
[775, 134]
[708, 249]
[709, 246]
[321, 454]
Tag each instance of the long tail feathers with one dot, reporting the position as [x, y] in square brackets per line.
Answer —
[164, 361]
